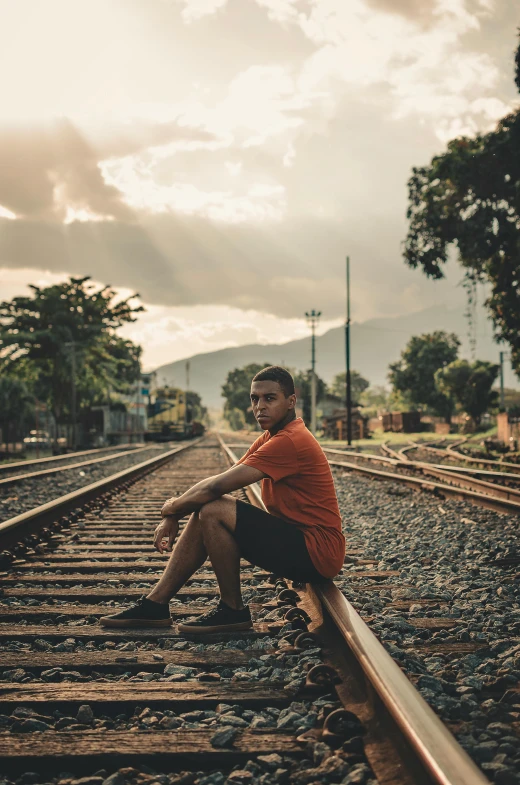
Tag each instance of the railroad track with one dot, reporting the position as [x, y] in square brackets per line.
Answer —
[99, 458]
[450, 452]
[35, 463]
[309, 695]
[499, 491]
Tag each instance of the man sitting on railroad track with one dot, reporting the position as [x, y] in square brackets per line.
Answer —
[299, 537]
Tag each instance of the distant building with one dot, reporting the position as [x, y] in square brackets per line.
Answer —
[334, 424]
[401, 422]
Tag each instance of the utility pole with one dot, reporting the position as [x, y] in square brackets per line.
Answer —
[36, 411]
[503, 356]
[347, 357]
[502, 398]
[186, 396]
[72, 346]
[312, 320]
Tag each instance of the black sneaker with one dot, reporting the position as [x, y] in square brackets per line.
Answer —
[221, 618]
[145, 613]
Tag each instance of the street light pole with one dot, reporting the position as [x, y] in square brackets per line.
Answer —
[312, 320]
[347, 357]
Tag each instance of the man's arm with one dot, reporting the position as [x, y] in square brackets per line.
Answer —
[212, 488]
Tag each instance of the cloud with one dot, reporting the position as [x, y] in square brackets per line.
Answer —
[196, 9]
[428, 71]
[281, 269]
[47, 171]
[169, 333]
[240, 166]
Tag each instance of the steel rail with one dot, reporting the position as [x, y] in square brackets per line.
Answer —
[437, 750]
[58, 469]
[494, 489]
[480, 472]
[484, 500]
[515, 468]
[393, 454]
[451, 475]
[402, 452]
[38, 461]
[484, 461]
[460, 469]
[14, 529]
[367, 456]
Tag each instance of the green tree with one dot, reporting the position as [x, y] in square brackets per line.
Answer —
[469, 197]
[302, 383]
[44, 335]
[236, 419]
[196, 409]
[413, 375]
[469, 384]
[16, 409]
[375, 397]
[236, 390]
[358, 385]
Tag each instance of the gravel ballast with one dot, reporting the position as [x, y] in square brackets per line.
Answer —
[444, 552]
[27, 494]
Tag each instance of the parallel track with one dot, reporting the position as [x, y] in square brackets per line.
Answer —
[93, 552]
[15, 466]
[456, 483]
[16, 478]
[451, 453]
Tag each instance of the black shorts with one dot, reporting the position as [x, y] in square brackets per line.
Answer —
[269, 542]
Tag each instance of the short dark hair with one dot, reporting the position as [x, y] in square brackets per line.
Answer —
[275, 373]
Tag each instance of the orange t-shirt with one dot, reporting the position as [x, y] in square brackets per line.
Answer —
[299, 489]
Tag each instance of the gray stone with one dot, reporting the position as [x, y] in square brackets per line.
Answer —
[270, 762]
[30, 725]
[240, 777]
[334, 767]
[237, 722]
[30, 777]
[359, 775]
[178, 670]
[217, 778]
[41, 645]
[114, 779]
[85, 714]
[88, 781]
[288, 720]
[224, 737]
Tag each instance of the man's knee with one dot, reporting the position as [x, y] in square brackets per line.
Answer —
[209, 512]
[219, 511]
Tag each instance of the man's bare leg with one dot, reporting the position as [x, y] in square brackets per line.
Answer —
[188, 555]
[218, 523]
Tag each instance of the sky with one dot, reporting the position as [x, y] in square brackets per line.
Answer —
[221, 157]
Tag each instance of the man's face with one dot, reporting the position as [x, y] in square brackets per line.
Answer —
[269, 403]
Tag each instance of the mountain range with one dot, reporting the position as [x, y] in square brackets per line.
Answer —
[374, 344]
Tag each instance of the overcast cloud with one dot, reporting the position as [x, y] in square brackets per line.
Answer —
[204, 152]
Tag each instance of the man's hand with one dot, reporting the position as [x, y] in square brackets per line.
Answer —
[166, 530]
[167, 510]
